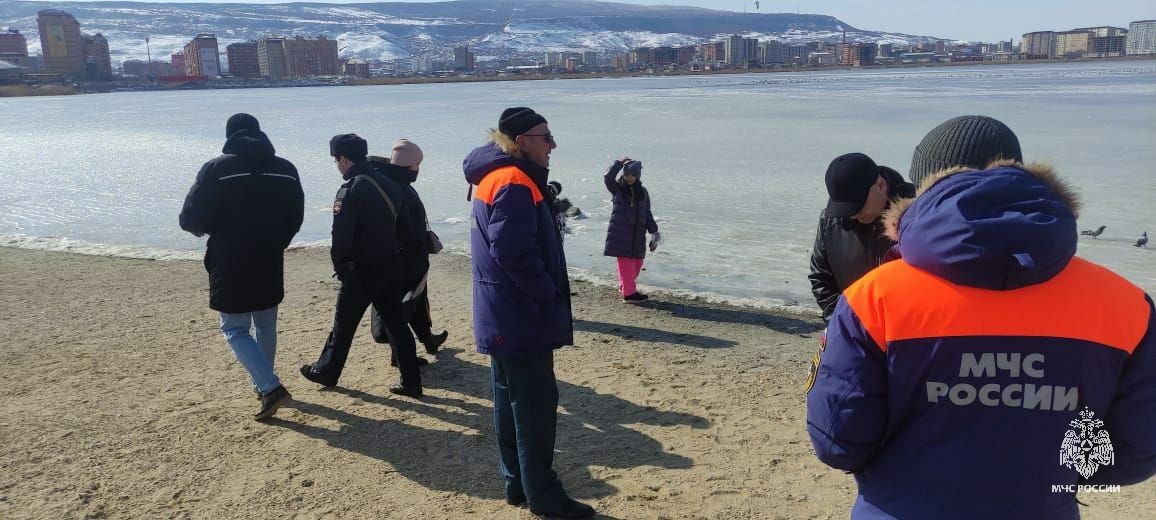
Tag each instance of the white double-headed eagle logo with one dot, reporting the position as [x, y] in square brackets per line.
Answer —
[1086, 447]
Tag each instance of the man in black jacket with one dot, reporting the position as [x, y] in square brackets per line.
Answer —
[250, 203]
[370, 220]
[850, 240]
[402, 168]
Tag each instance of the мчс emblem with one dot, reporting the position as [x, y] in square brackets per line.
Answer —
[1086, 447]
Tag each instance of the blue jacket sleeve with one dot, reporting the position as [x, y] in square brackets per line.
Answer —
[513, 231]
[202, 204]
[1131, 421]
[847, 406]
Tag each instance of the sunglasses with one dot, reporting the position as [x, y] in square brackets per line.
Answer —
[549, 137]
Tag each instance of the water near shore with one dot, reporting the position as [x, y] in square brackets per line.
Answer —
[734, 163]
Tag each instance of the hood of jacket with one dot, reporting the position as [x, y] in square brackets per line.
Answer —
[1002, 228]
[393, 172]
[249, 143]
[501, 151]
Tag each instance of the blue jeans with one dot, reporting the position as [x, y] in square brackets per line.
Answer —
[525, 419]
[255, 355]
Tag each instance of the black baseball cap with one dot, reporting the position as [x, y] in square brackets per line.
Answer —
[849, 180]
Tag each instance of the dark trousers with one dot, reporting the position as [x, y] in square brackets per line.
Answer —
[525, 419]
[416, 313]
[381, 285]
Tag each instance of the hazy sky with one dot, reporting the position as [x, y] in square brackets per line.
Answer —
[986, 20]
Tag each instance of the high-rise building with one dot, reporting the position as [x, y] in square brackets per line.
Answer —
[1103, 31]
[271, 58]
[590, 58]
[12, 42]
[1142, 37]
[243, 60]
[97, 60]
[713, 52]
[464, 59]
[858, 54]
[774, 53]
[1072, 44]
[1107, 46]
[740, 52]
[423, 64]
[642, 56]
[178, 62]
[884, 50]
[1040, 44]
[203, 57]
[61, 43]
[357, 68]
[305, 57]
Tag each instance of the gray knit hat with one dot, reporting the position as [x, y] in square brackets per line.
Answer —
[972, 141]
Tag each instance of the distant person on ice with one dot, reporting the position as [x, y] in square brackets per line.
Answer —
[630, 221]
[250, 203]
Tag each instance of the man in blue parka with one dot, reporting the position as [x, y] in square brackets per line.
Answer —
[521, 303]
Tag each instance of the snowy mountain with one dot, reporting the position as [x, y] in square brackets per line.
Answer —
[385, 31]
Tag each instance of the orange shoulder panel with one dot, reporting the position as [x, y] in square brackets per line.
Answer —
[1084, 302]
[502, 177]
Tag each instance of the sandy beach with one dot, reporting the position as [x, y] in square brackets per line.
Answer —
[122, 400]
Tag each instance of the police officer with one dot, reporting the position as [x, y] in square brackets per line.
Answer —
[369, 220]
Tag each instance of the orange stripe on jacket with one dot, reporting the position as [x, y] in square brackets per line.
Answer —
[502, 177]
[1086, 302]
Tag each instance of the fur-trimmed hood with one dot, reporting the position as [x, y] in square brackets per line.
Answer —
[1008, 226]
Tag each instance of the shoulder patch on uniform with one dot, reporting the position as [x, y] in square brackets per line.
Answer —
[338, 202]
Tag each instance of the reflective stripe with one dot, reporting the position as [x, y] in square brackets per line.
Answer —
[1084, 302]
[290, 177]
[502, 177]
[234, 175]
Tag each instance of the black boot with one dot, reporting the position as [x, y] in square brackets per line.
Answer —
[569, 509]
[414, 392]
[433, 342]
[271, 401]
[311, 374]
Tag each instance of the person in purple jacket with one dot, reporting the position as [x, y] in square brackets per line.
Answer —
[521, 303]
[630, 221]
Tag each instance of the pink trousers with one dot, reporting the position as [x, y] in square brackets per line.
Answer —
[628, 270]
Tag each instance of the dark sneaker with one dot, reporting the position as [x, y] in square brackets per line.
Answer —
[421, 362]
[406, 391]
[516, 501]
[569, 509]
[311, 374]
[271, 401]
[434, 342]
[635, 298]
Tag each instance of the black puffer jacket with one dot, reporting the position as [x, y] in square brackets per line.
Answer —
[414, 248]
[250, 203]
[365, 229]
[845, 249]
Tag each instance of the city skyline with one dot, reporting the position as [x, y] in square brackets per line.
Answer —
[978, 20]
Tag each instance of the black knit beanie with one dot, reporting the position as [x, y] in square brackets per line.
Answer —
[518, 120]
[240, 122]
[972, 141]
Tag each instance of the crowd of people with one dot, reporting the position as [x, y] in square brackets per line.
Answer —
[963, 332]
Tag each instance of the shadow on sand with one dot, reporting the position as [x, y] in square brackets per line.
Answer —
[592, 431]
[784, 324]
[652, 335]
